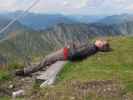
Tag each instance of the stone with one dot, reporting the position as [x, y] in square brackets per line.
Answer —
[18, 93]
[11, 86]
[49, 76]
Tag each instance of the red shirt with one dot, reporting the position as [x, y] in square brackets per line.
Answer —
[65, 52]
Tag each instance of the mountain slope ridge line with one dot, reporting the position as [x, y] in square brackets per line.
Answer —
[18, 17]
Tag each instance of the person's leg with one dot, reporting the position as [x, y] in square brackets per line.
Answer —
[48, 60]
[52, 58]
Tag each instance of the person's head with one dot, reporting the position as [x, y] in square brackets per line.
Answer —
[102, 45]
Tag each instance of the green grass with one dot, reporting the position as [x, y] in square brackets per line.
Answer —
[4, 98]
[8, 98]
[116, 65]
[4, 75]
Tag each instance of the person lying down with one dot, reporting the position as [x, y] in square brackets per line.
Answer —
[70, 53]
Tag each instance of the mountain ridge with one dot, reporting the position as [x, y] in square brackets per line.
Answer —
[26, 43]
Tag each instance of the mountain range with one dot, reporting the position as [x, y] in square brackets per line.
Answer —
[43, 21]
[117, 19]
[39, 21]
[21, 42]
[17, 27]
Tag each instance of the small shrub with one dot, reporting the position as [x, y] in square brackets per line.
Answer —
[15, 66]
[4, 75]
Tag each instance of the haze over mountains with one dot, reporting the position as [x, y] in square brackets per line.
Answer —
[43, 21]
[15, 28]
[39, 34]
[117, 19]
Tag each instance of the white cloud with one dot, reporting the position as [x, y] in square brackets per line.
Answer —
[12, 5]
[130, 7]
[75, 3]
[57, 6]
[108, 6]
[7, 4]
[94, 3]
[69, 6]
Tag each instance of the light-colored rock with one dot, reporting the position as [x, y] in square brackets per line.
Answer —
[49, 76]
[18, 93]
[11, 86]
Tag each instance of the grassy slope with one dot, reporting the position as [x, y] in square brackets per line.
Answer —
[116, 65]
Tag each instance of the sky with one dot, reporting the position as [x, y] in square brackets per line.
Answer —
[69, 7]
